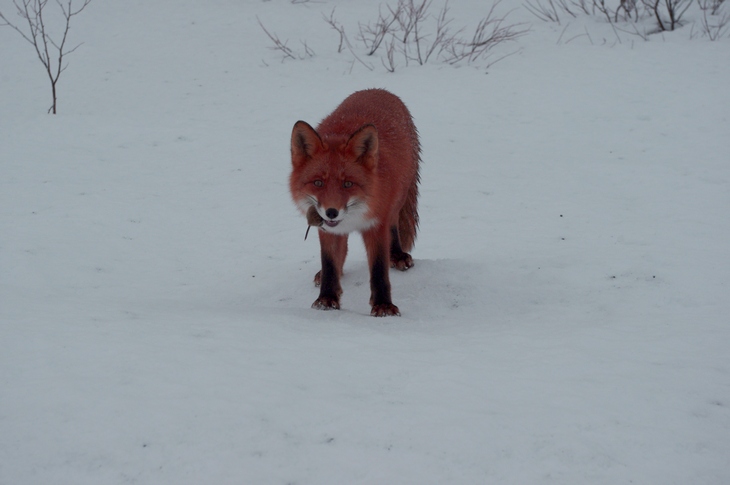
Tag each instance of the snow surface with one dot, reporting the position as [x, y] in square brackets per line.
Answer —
[567, 319]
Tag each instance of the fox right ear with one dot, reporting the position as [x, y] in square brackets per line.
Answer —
[305, 142]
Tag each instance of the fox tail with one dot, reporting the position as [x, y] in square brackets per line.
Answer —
[408, 216]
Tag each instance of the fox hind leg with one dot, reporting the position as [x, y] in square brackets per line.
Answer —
[399, 259]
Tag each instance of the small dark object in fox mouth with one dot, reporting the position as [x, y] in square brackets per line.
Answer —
[313, 219]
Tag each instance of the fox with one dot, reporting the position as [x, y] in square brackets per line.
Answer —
[358, 171]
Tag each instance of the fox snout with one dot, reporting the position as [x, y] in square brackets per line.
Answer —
[331, 214]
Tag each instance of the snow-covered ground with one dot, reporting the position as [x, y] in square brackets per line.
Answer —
[567, 320]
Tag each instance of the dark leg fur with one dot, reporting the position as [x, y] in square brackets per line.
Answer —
[330, 290]
[382, 305]
[333, 250]
[398, 258]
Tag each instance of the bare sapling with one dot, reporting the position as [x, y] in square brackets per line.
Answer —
[51, 50]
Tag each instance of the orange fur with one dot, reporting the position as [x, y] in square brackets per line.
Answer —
[359, 169]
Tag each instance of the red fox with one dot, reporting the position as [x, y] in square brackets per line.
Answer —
[359, 171]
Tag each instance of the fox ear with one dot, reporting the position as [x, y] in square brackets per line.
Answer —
[364, 145]
[305, 142]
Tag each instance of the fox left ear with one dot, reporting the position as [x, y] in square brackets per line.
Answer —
[363, 144]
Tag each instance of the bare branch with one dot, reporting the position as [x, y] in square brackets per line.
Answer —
[372, 35]
[390, 55]
[412, 17]
[443, 37]
[338, 27]
[488, 34]
[713, 30]
[546, 13]
[674, 9]
[278, 44]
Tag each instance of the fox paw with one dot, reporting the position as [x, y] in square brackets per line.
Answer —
[385, 310]
[318, 279]
[326, 303]
[401, 261]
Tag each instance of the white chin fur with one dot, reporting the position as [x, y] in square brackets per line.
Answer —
[351, 220]
[348, 224]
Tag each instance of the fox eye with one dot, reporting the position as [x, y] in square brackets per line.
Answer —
[347, 184]
[318, 183]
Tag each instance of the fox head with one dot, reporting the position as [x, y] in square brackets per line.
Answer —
[335, 175]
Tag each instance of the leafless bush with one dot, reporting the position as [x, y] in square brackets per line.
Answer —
[282, 46]
[389, 60]
[421, 36]
[338, 27]
[411, 16]
[713, 6]
[547, 12]
[443, 37]
[629, 7]
[668, 14]
[604, 9]
[50, 50]
[714, 23]
[551, 10]
[416, 44]
[582, 5]
[489, 33]
[410, 30]
[372, 35]
[673, 9]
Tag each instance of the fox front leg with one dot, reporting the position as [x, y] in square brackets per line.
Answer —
[333, 253]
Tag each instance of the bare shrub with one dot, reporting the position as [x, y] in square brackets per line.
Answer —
[489, 33]
[282, 46]
[712, 5]
[411, 17]
[418, 43]
[443, 36]
[714, 23]
[668, 14]
[410, 30]
[372, 35]
[604, 9]
[421, 36]
[672, 9]
[51, 50]
[582, 5]
[338, 27]
[389, 60]
[629, 7]
[547, 12]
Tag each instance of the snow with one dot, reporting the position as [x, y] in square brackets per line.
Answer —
[566, 320]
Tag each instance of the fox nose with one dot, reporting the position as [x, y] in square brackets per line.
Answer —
[331, 213]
